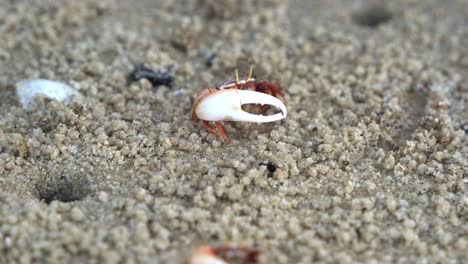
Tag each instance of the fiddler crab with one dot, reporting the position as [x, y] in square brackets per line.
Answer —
[219, 254]
[224, 103]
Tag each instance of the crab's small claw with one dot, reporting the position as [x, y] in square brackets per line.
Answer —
[226, 105]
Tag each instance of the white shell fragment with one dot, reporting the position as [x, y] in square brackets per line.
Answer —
[226, 105]
[26, 90]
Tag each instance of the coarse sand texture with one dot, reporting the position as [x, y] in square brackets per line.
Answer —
[369, 166]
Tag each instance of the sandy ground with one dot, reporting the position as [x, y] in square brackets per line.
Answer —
[369, 166]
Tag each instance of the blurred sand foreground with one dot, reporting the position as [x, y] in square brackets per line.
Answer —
[370, 166]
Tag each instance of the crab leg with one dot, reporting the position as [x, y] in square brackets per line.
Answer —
[208, 127]
[222, 133]
[220, 129]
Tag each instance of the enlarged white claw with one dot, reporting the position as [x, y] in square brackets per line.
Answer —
[226, 105]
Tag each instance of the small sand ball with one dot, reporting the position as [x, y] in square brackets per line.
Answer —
[442, 207]
[461, 244]
[142, 233]
[439, 156]
[409, 236]
[76, 214]
[295, 89]
[235, 192]
[103, 197]
[391, 204]
[209, 195]
[349, 187]
[422, 168]
[111, 256]
[389, 162]
[141, 195]
[26, 90]
[322, 169]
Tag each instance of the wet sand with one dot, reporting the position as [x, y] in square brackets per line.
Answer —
[370, 166]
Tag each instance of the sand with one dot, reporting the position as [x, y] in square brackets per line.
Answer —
[370, 166]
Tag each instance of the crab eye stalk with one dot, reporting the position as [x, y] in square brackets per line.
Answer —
[250, 72]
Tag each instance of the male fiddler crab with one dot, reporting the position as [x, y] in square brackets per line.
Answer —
[220, 255]
[224, 103]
